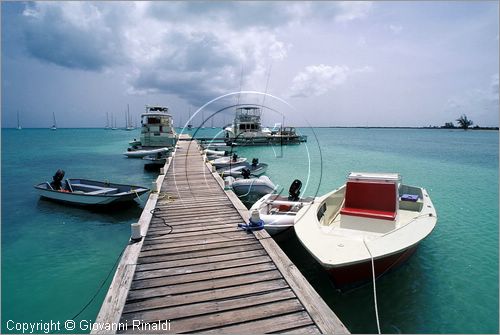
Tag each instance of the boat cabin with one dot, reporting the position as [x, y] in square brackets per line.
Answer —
[157, 128]
[247, 119]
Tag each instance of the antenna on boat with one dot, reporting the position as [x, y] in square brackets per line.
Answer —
[241, 84]
[267, 84]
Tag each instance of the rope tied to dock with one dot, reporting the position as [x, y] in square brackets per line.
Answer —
[255, 223]
[374, 286]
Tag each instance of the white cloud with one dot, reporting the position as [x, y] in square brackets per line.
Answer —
[396, 29]
[160, 54]
[476, 103]
[317, 80]
[351, 10]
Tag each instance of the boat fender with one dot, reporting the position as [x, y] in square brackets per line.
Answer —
[228, 182]
[294, 191]
[255, 223]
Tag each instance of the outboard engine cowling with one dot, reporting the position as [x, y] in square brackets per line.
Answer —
[245, 173]
[294, 191]
[57, 179]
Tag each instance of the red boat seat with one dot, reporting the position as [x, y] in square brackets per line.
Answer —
[371, 200]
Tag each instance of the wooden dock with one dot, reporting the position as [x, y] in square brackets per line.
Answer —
[195, 271]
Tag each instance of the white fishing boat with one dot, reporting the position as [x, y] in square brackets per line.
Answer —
[250, 189]
[157, 128]
[278, 212]
[144, 152]
[223, 162]
[247, 129]
[372, 217]
[87, 192]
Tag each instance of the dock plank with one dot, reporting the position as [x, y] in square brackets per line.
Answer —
[196, 270]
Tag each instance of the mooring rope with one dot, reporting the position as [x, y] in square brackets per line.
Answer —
[374, 286]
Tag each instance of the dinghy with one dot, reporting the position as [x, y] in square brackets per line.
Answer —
[143, 153]
[156, 161]
[87, 192]
[224, 162]
[278, 212]
[373, 217]
[250, 189]
[245, 170]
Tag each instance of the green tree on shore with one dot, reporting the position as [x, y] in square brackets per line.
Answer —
[464, 122]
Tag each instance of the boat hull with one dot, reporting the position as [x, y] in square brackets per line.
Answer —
[96, 194]
[144, 153]
[85, 200]
[358, 273]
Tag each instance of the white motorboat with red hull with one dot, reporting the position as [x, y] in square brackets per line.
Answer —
[372, 217]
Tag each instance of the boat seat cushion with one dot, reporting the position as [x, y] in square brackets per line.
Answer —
[367, 213]
[371, 200]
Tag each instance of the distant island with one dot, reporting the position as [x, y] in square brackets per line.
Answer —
[463, 123]
[408, 127]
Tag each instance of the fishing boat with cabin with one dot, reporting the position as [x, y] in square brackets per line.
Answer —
[157, 130]
[247, 129]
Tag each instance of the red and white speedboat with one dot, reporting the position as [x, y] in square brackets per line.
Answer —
[373, 216]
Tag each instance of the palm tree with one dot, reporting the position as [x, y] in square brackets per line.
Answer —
[464, 122]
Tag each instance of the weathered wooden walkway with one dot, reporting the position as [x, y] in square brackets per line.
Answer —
[200, 272]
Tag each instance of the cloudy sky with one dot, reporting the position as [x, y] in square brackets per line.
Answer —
[322, 63]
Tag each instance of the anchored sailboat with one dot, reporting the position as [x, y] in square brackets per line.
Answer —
[107, 127]
[54, 125]
[18, 124]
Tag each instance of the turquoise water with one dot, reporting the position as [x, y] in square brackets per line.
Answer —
[54, 258]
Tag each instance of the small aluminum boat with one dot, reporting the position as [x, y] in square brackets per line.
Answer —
[87, 192]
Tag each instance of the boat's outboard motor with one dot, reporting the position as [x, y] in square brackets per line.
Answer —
[57, 180]
[255, 162]
[235, 157]
[294, 192]
[245, 173]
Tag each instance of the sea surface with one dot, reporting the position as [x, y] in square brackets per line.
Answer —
[55, 259]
